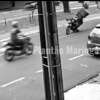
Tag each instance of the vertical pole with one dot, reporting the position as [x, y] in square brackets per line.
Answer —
[66, 6]
[33, 16]
[51, 63]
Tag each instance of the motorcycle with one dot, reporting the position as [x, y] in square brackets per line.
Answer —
[13, 50]
[75, 23]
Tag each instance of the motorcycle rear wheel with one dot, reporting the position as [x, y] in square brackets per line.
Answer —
[29, 49]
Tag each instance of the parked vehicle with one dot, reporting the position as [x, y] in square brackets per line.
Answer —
[93, 44]
[13, 50]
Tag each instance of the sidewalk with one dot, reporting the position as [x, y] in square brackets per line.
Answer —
[87, 91]
[26, 20]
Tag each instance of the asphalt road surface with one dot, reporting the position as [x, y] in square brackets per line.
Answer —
[22, 79]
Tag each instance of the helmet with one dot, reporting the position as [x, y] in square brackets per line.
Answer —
[85, 5]
[14, 24]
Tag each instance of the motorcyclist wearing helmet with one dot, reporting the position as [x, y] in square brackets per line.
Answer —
[14, 34]
[82, 13]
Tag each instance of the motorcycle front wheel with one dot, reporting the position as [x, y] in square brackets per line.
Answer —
[9, 55]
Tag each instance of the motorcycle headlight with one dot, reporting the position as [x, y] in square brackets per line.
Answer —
[4, 43]
[89, 42]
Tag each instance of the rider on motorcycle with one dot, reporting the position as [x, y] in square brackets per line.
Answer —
[77, 21]
[82, 13]
[14, 34]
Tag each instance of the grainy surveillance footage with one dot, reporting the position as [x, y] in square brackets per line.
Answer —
[49, 50]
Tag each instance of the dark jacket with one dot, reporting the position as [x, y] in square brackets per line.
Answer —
[14, 34]
[82, 13]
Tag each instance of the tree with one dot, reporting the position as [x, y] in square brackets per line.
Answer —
[66, 6]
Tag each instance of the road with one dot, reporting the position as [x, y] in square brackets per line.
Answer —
[22, 79]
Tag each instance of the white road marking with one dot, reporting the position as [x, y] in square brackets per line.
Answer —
[89, 19]
[67, 36]
[17, 80]
[73, 58]
[39, 71]
[84, 65]
[10, 83]
[62, 37]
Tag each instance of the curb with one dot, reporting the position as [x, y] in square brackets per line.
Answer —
[35, 14]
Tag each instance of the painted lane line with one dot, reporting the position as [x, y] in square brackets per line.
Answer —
[84, 65]
[73, 58]
[89, 19]
[68, 36]
[62, 37]
[39, 71]
[17, 80]
[10, 83]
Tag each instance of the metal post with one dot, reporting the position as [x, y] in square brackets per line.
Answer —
[51, 63]
[66, 6]
[33, 16]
